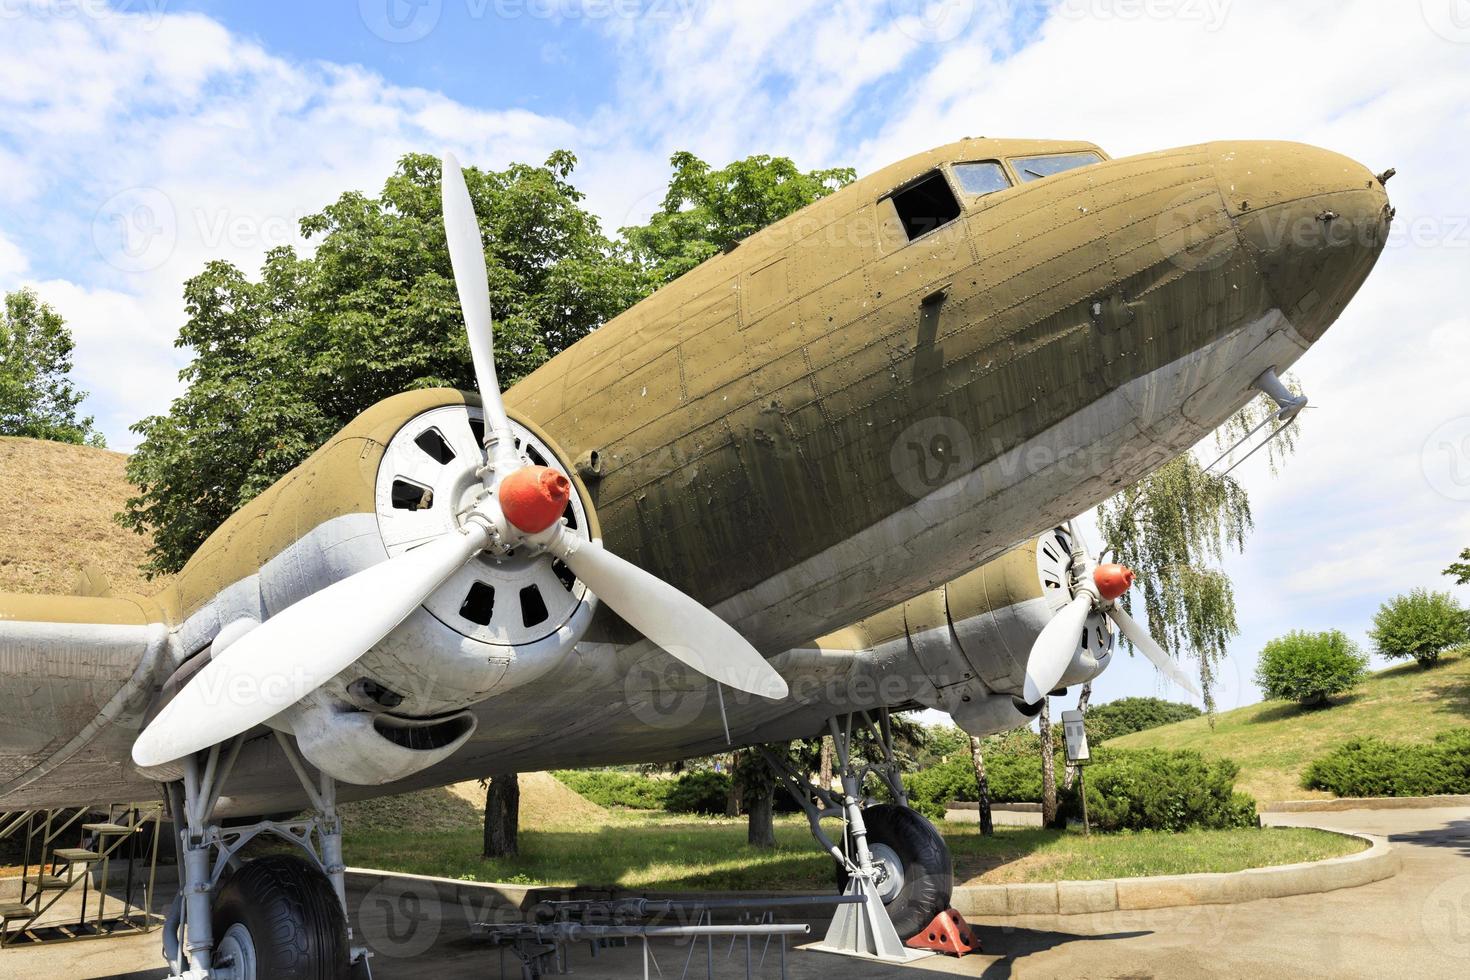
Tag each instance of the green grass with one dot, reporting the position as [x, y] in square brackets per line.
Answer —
[1274, 742]
[1023, 854]
[663, 852]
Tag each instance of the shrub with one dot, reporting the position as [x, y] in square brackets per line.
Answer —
[699, 791]
[1156, 789]
[610, 788]
[1128, 715]
[1012, 769]
[1373, 767]
[1309, 667]
[1419, 625]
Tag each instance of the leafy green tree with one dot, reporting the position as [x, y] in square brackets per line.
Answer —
[1460, 570]
[1174, 527]
[1421, 625]
[1128, 715]
[708, 211]
[1309, 667]
[282, 362]
[37, 397]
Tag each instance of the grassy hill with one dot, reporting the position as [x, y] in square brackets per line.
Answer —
[1274, 742]
[58, 502]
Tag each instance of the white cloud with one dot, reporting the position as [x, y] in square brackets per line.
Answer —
[13, 262]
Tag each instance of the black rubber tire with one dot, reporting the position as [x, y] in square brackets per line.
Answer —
[293, 915]
[927, 871]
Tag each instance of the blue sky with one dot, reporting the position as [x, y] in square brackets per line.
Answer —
[140, 140]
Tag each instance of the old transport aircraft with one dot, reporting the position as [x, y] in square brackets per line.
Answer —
[659, 543]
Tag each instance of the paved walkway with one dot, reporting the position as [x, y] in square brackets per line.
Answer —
[1416, 924]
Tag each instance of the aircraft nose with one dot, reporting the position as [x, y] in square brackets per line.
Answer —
[1314, 222]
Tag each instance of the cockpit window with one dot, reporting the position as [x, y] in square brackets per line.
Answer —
[925, 205]
[981, 178]
[1034, 168]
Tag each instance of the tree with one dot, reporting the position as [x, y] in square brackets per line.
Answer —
[1309, 667]
[1173, 528]
[502, 815]
[1421, 625]
[37, 397]
[1460, 570]
[282, 362]
[1048, 766]
[757, 791]
[982, 787]
[707, 211]
[1135, 714]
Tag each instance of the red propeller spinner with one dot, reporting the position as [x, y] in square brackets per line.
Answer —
[1112, 580]
[534, 497]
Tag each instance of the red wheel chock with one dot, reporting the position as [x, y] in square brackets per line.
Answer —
[948, 934]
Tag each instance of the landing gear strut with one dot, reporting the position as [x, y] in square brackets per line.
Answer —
[281, 917]
[890, 856]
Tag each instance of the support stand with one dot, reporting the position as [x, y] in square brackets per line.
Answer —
[860, 927]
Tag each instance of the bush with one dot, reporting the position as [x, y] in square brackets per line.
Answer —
[700, 791]
[1128, 715]
[1156, 789]
[1373, 767]
[1309, 667]
[1012, 769]
[1419, 625]
[609, 788]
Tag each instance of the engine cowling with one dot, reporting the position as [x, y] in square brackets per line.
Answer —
[975, 634]
[498, 623]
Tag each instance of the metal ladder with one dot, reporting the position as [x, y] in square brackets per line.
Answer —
[50, 872]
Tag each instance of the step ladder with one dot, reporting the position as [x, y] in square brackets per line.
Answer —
[58, 881]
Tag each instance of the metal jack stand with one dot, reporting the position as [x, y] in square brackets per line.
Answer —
[861, 926]
[206, 851]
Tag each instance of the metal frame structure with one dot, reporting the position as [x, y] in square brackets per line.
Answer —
[58, 872]
[207, 850]
[542, 945]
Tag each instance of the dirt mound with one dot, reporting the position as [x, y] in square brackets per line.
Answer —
[545, 803]
[58, 501]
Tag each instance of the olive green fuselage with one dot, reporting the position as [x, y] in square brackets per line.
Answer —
[832, 419]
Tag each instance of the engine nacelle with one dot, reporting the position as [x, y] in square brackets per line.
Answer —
[975, 634]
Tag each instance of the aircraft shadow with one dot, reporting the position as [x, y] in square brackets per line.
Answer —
[1455, 835]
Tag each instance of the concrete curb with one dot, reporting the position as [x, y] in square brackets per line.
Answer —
[1338, 804]
[1379, 861]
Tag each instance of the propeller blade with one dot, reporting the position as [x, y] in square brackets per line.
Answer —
[300, 648]
[685, 629]
[1052, 652]
[467, 256]
[1139, 637]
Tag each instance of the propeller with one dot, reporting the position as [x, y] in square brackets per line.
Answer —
[1098, 587]
[297, 650]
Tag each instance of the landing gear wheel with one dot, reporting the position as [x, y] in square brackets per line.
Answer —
[919, 879]
[277, 918]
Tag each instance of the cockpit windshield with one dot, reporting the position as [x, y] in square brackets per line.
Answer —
[1034, 168]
